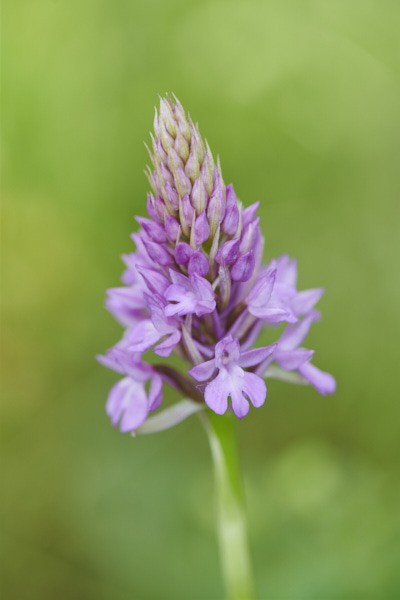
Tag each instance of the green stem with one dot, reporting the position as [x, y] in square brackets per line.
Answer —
[231, 518]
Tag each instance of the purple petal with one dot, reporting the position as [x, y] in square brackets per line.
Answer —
[186, 304]
[306, 300]
[227, 351]
[187, 210]
[153, 229]
[216, 207]
[287, 270]
[202, 286]
[228, 252]
[131, 297]
[254, 387]
[136, 408]
[114, 405]
[231, 198]
[163, 324]
[155, 392]
[110, 362]
[160, 208]
[262, 290]
[201, 229]
[255, 356]
[198, 263]
[180, 279]
[124, 314]
[155, 280]
[231, 220]
[145, 335]
[151, 210]
[294, 335]
[199, 195]
[166, 175]
[182, 253]
[289, 360]
[246, 239]
[272, 314]
[135, 369]
[172, 228]
[158, 253]
[172, 196]
[203, 371]
[129, 276]
[323, 382]
[183, 182]
[243, 268]
[240, 404]
[165, 348]
[203, 307]
[249, 213]
[216, 395]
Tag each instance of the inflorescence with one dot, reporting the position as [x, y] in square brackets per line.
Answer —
[197, 287]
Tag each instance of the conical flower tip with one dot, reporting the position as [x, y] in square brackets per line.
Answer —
[181, 160]
[196, 287]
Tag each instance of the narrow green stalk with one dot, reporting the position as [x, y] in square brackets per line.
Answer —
[231, 518]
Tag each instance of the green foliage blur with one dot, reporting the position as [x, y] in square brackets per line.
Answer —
[301, 100]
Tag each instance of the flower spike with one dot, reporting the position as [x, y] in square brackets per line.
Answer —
[197, 287]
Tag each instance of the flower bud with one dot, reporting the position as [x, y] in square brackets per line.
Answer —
[201, 229]
[160, 208]
[166, 138]
[181, 146]
[172, 196]
[157, 183]
[207, 173]
[197, 147]
[192, 168]
[198, 263]
[216, 208]
[155, 280]
[229, 252]
[172, 228]
[249, 213]
[151, 210]
[158, 253]
[231, 197]
[159, 149]
[182, 121]
[167, 116]
[182, 182]
[150, 176]
[153, 229]
[199, 195]
[246, 240]
[218, 182]
[243, 268]
[156, 124]
[186, 213]
[174, 160]
[231, 220]
[166, 174]
[182, 253]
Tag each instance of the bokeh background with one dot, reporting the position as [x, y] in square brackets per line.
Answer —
[301, 100]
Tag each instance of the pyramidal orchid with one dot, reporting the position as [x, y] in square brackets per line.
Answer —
[197, 286]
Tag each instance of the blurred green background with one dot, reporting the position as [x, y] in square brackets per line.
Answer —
[301, 100]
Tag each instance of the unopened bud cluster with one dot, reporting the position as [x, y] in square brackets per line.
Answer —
[196, 286]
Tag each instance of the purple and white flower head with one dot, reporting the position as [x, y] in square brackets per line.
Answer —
[197, 287]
